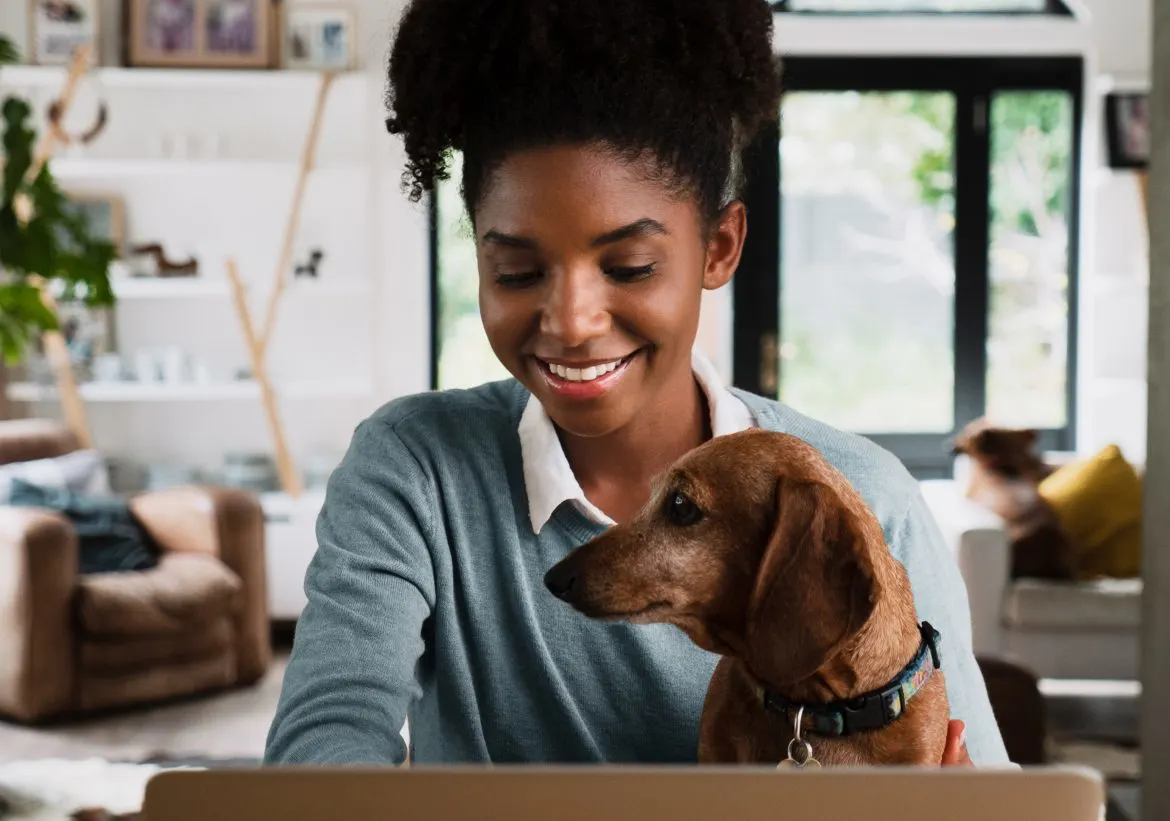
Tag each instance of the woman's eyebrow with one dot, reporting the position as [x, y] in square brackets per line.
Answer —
[509, 241]
[644, 227]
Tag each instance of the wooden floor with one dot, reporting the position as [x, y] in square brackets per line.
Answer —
[222, 726]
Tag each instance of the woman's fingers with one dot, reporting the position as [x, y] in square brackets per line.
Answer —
[955, 751]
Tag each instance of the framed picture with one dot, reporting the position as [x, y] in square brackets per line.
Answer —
[1127, 123]
[201, 33]
[320, 38]
[106, 214]
[58, 27]
[89, 332]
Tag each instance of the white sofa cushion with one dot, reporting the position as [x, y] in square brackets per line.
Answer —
[1106, 605]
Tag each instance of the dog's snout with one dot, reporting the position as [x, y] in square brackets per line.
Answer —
[560, 579]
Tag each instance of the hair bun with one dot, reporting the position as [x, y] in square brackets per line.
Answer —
[687, 80]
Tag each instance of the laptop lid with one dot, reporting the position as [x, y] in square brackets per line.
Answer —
[638, 793]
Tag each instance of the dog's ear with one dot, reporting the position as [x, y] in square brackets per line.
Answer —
[815, 586]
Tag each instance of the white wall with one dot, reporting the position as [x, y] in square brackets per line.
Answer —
[1115, 268]
[1115, 38]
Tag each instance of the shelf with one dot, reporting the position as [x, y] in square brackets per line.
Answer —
[136, 288]
[194, 392]
[65, 167]
[167, 287]
[169, 78]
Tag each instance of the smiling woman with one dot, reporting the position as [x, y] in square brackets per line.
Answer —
[600, 146]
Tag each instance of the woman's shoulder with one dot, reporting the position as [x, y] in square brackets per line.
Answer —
[876, 473]
[450, 419]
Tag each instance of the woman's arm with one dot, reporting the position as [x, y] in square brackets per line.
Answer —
[940, 596]
[370, 587]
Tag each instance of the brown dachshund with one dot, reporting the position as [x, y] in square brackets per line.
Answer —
[1005, 478]
[759, 550]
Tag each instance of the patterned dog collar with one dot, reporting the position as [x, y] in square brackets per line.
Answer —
[873, 710]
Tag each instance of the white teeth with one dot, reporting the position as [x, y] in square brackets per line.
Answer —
[583, 374]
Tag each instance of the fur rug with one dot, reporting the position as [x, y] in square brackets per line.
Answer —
[54, 789]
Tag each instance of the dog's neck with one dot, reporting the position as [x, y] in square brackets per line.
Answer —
[870, 660]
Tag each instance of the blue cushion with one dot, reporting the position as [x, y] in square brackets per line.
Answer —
[111, 540]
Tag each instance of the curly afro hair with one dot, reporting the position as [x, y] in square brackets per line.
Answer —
[684, 84]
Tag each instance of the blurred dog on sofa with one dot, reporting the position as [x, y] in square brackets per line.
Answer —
[1006, 472]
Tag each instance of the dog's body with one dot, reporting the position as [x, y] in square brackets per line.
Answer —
[762, 552]
[1005, 478]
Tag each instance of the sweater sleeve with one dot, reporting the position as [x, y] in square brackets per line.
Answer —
[940, 596]
[370, 587]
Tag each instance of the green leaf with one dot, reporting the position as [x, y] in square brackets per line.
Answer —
[56, 243]
[8, 52]
[18, 142]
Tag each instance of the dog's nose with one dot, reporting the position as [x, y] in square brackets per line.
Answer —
[559, 580]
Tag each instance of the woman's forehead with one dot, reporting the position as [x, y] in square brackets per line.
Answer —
[584, 190]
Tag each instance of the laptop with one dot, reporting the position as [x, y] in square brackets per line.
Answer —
[633, 793]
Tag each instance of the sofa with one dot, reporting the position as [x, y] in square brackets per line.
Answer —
[76, 643]
[1057, 630]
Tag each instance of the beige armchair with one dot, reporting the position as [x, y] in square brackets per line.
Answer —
[72, 644]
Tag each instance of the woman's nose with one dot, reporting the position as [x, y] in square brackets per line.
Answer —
[575, 309]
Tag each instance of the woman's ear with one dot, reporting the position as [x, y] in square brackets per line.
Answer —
[815, 587]
[725, 246]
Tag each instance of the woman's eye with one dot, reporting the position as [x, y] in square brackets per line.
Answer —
[630, 274]
[681, 510]
[520, 279]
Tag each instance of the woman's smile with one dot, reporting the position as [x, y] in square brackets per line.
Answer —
[584, 379]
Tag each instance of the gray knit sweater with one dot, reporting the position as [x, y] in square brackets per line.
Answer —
[426, 599]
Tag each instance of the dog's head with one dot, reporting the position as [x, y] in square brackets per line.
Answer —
[752, 544]
[1005, 452]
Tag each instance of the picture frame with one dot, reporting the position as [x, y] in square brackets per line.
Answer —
[320, 37]
[89, 332]
[106, 213]
[1127, 127]
[58, 27]
[201, 33]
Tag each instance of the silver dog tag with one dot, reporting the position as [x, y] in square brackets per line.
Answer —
[805, 759]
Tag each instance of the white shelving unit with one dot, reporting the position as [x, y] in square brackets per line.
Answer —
[80, 168]
[135, 288]
[169, 79]
[204, 162]
[188, 392]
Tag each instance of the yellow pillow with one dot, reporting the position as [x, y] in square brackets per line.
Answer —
[1099, 504]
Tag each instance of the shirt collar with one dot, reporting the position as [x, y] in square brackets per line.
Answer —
[549, 481]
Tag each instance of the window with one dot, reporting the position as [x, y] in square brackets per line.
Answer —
[924, 6]
[461, 355]
[908, 267]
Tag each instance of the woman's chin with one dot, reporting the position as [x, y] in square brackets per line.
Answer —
[586, 423]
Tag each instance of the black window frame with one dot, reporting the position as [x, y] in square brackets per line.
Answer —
[1052, 8]
[974, 81]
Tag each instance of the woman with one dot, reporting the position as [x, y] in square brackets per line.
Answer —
[600, 141]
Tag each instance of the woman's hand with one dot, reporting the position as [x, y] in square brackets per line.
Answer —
[955, 751]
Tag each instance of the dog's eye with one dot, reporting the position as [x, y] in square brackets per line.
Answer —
[681, 510]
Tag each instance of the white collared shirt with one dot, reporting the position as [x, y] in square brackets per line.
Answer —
[548, 479]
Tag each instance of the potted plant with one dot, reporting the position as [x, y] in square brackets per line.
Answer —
[43, 242]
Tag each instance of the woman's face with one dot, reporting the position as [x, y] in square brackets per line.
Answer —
[591, 276]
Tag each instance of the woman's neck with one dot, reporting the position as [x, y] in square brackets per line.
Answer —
[615, 470]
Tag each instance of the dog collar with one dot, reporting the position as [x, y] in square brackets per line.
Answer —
[873, 710]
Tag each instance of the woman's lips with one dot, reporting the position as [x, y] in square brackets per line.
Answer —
[584, 383]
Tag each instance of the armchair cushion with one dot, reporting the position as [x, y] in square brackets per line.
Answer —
[79, 470]
[1103, 605]
[183, 590]
[110, 538]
